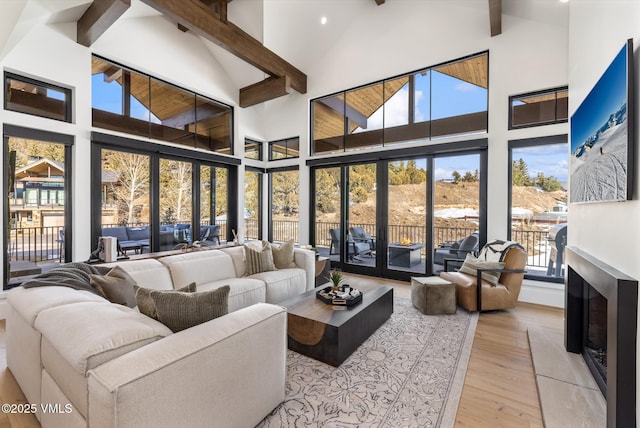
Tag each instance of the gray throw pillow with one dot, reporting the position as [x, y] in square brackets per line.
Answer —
[471, 266]
[257, 261]
[145, 302]
[180, 311]
[283, 255]
[116, 286]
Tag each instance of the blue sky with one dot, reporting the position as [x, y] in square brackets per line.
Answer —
[605, 98]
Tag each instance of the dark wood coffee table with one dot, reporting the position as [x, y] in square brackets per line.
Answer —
[331, 334]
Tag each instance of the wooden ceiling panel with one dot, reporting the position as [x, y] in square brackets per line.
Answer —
[473, 70]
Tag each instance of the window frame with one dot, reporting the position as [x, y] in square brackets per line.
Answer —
[68, 101]
[258, 144]
[519, 144]
[126, 90]
[413, 131]
[549, 91]
[284, 142]
[68, 142]
[155, 151]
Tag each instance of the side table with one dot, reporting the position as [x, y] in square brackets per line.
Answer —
[433, 295]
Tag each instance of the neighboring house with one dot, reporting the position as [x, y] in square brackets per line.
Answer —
[38, 198]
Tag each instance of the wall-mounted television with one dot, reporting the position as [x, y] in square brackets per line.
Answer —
[601, 165]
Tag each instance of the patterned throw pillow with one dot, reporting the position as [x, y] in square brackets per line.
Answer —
[116, 286]
[471, 266]
[258, 258]
[283, 255]
[180, 311]
[146, 304]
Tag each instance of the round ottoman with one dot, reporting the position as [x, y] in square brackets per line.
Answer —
[433, 295]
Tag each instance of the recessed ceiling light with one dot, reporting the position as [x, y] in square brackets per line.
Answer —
[564, 1]
[323, 20]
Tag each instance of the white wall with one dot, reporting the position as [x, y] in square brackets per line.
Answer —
[608, 231]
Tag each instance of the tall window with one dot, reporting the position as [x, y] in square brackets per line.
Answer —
[253, 204]
[128, 101]
[539, 108]
[31, 96]
[36, 217]
[285, 200]
[284, 149]
[538, 209]
[449, 99]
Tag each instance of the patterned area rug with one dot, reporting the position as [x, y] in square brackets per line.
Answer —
[409, 373]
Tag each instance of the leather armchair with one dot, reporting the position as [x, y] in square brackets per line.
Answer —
[474, 293]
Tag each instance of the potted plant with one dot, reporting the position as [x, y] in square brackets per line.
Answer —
[335, 276]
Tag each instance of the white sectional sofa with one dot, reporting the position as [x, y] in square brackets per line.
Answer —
[107, 365]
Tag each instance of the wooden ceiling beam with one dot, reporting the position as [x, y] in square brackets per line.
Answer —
[197, 17]
[495, 17]
[268, 89]
[100, 15]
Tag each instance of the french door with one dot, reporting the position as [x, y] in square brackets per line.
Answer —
[386, 218]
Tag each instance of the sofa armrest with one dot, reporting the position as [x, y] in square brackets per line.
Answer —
[229, 371]
[306, 259]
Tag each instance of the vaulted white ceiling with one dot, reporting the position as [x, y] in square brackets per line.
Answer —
[290, 28]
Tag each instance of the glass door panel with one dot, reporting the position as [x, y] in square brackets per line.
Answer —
[36, 211]
[456, 209]
[285, 191]
[406, 243]
[359, 237]
[175, 203]
[328, 206]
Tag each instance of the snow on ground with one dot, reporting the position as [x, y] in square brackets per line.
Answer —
[456, 213]
[598, 177]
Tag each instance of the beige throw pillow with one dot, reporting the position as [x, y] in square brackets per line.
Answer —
[257, 261]
[471, 266]
[145, 302]
[283, 255]
[180, 311]
[116, 286]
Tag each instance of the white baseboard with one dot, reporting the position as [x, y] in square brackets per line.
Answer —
[542, 293]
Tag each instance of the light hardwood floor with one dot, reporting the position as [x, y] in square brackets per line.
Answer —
[499, 388]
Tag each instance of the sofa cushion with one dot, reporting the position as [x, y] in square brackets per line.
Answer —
[243, 292]
[138, 233]
[148, 273]
[87, 334]
[283, 255]
[29, 302]
[180, 311]
[258, 257]
[116, 286]
[282, 284]
[145, 302]
[81, 336]
[200, 267]
[237, 256]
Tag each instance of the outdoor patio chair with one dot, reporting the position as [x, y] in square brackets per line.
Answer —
[455, 252]
[354, 248]
[359, 235]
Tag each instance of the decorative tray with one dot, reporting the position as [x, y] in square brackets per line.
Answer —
[345, 296]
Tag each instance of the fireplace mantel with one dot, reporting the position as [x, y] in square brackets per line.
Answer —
[621, 292]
